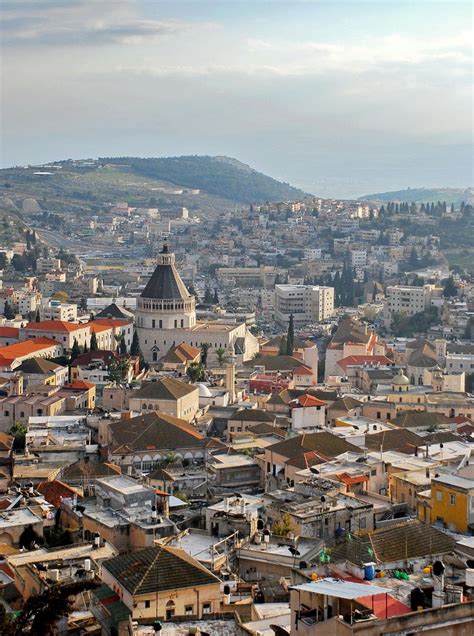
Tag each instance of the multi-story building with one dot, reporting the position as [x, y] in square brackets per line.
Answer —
[452, 503]
[56, 310]
[408, 300]
[45, 265]
[307, 303]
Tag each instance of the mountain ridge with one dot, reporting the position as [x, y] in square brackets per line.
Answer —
[219, 175]
[423, 195]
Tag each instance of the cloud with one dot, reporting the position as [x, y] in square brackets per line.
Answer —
[368, 54]
[82, 22]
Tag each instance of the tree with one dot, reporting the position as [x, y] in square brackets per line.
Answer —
[290, 336]
[118, 370]
[8, 311]
[204, 353]
[18, 431]
[135, 346]
[37, 317]
[282, 347]
[83, 304]
[122, 346]
[449, 289]
[208, 296]
[221, 356]
[75, 350]
[41, 612]
[196, 372]
[215, 300]
[284, 526]
[413, 260]
[62, 296]
[93, 344]
[28, 538]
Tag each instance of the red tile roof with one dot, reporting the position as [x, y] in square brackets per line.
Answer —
[110, 322]
[79, 385]
[361, 359]
[302, 371]
[55, 490]
[349, 480]
[307, 400]
[97, 327]
[9, 332]
[55, 325]
[25, 347]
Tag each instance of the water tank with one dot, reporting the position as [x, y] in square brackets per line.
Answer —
[369, 571]
[53, 575]
[87, 565]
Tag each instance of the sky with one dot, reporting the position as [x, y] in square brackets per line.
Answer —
[339, 97]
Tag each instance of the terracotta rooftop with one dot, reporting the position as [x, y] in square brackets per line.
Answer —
[54, 325]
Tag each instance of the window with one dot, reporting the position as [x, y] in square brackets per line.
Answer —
[188, 609]
[363, 522]
[439, 495]
[206, 608]
[147, 604]
[452, 500]
[153, 324]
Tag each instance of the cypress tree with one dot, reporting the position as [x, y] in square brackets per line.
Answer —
[8, 311]
[216, 296]
[135, 347]
[290, 337]
[75, 350]
[94, 346]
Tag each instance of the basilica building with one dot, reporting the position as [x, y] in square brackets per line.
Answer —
[166, 317]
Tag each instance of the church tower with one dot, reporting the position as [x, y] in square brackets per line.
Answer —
[164, 308]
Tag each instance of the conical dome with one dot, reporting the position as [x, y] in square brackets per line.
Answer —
[165, 282]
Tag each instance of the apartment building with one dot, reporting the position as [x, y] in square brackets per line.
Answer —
[307, 303]
[408, 299]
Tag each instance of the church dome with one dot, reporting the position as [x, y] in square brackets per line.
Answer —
[400, 379]
[203, 390]
[165, 282]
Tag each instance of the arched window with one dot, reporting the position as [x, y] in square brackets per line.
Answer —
[170, 610]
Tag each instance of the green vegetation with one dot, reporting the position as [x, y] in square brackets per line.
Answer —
[407, 326]
[222, 176]
[283, 527]
[421, 195]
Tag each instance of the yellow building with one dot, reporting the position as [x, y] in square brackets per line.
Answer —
[452, 503]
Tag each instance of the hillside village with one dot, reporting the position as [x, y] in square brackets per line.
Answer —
[254, 421]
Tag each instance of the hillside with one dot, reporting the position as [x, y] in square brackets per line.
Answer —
[424, 195]
[221, 176]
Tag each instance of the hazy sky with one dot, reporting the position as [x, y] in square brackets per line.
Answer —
[339, 97]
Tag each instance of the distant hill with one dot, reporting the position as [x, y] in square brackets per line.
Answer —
[221, 176]
[424, 195]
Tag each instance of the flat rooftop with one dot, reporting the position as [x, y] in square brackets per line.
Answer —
[339, 588]
[73, 552]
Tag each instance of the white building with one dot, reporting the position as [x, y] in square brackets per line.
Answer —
[307, 303]
[358, 258]
[408, 299]
[166, 316]
[56, 310]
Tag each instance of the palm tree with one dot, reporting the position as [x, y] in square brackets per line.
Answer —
[221, 356]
